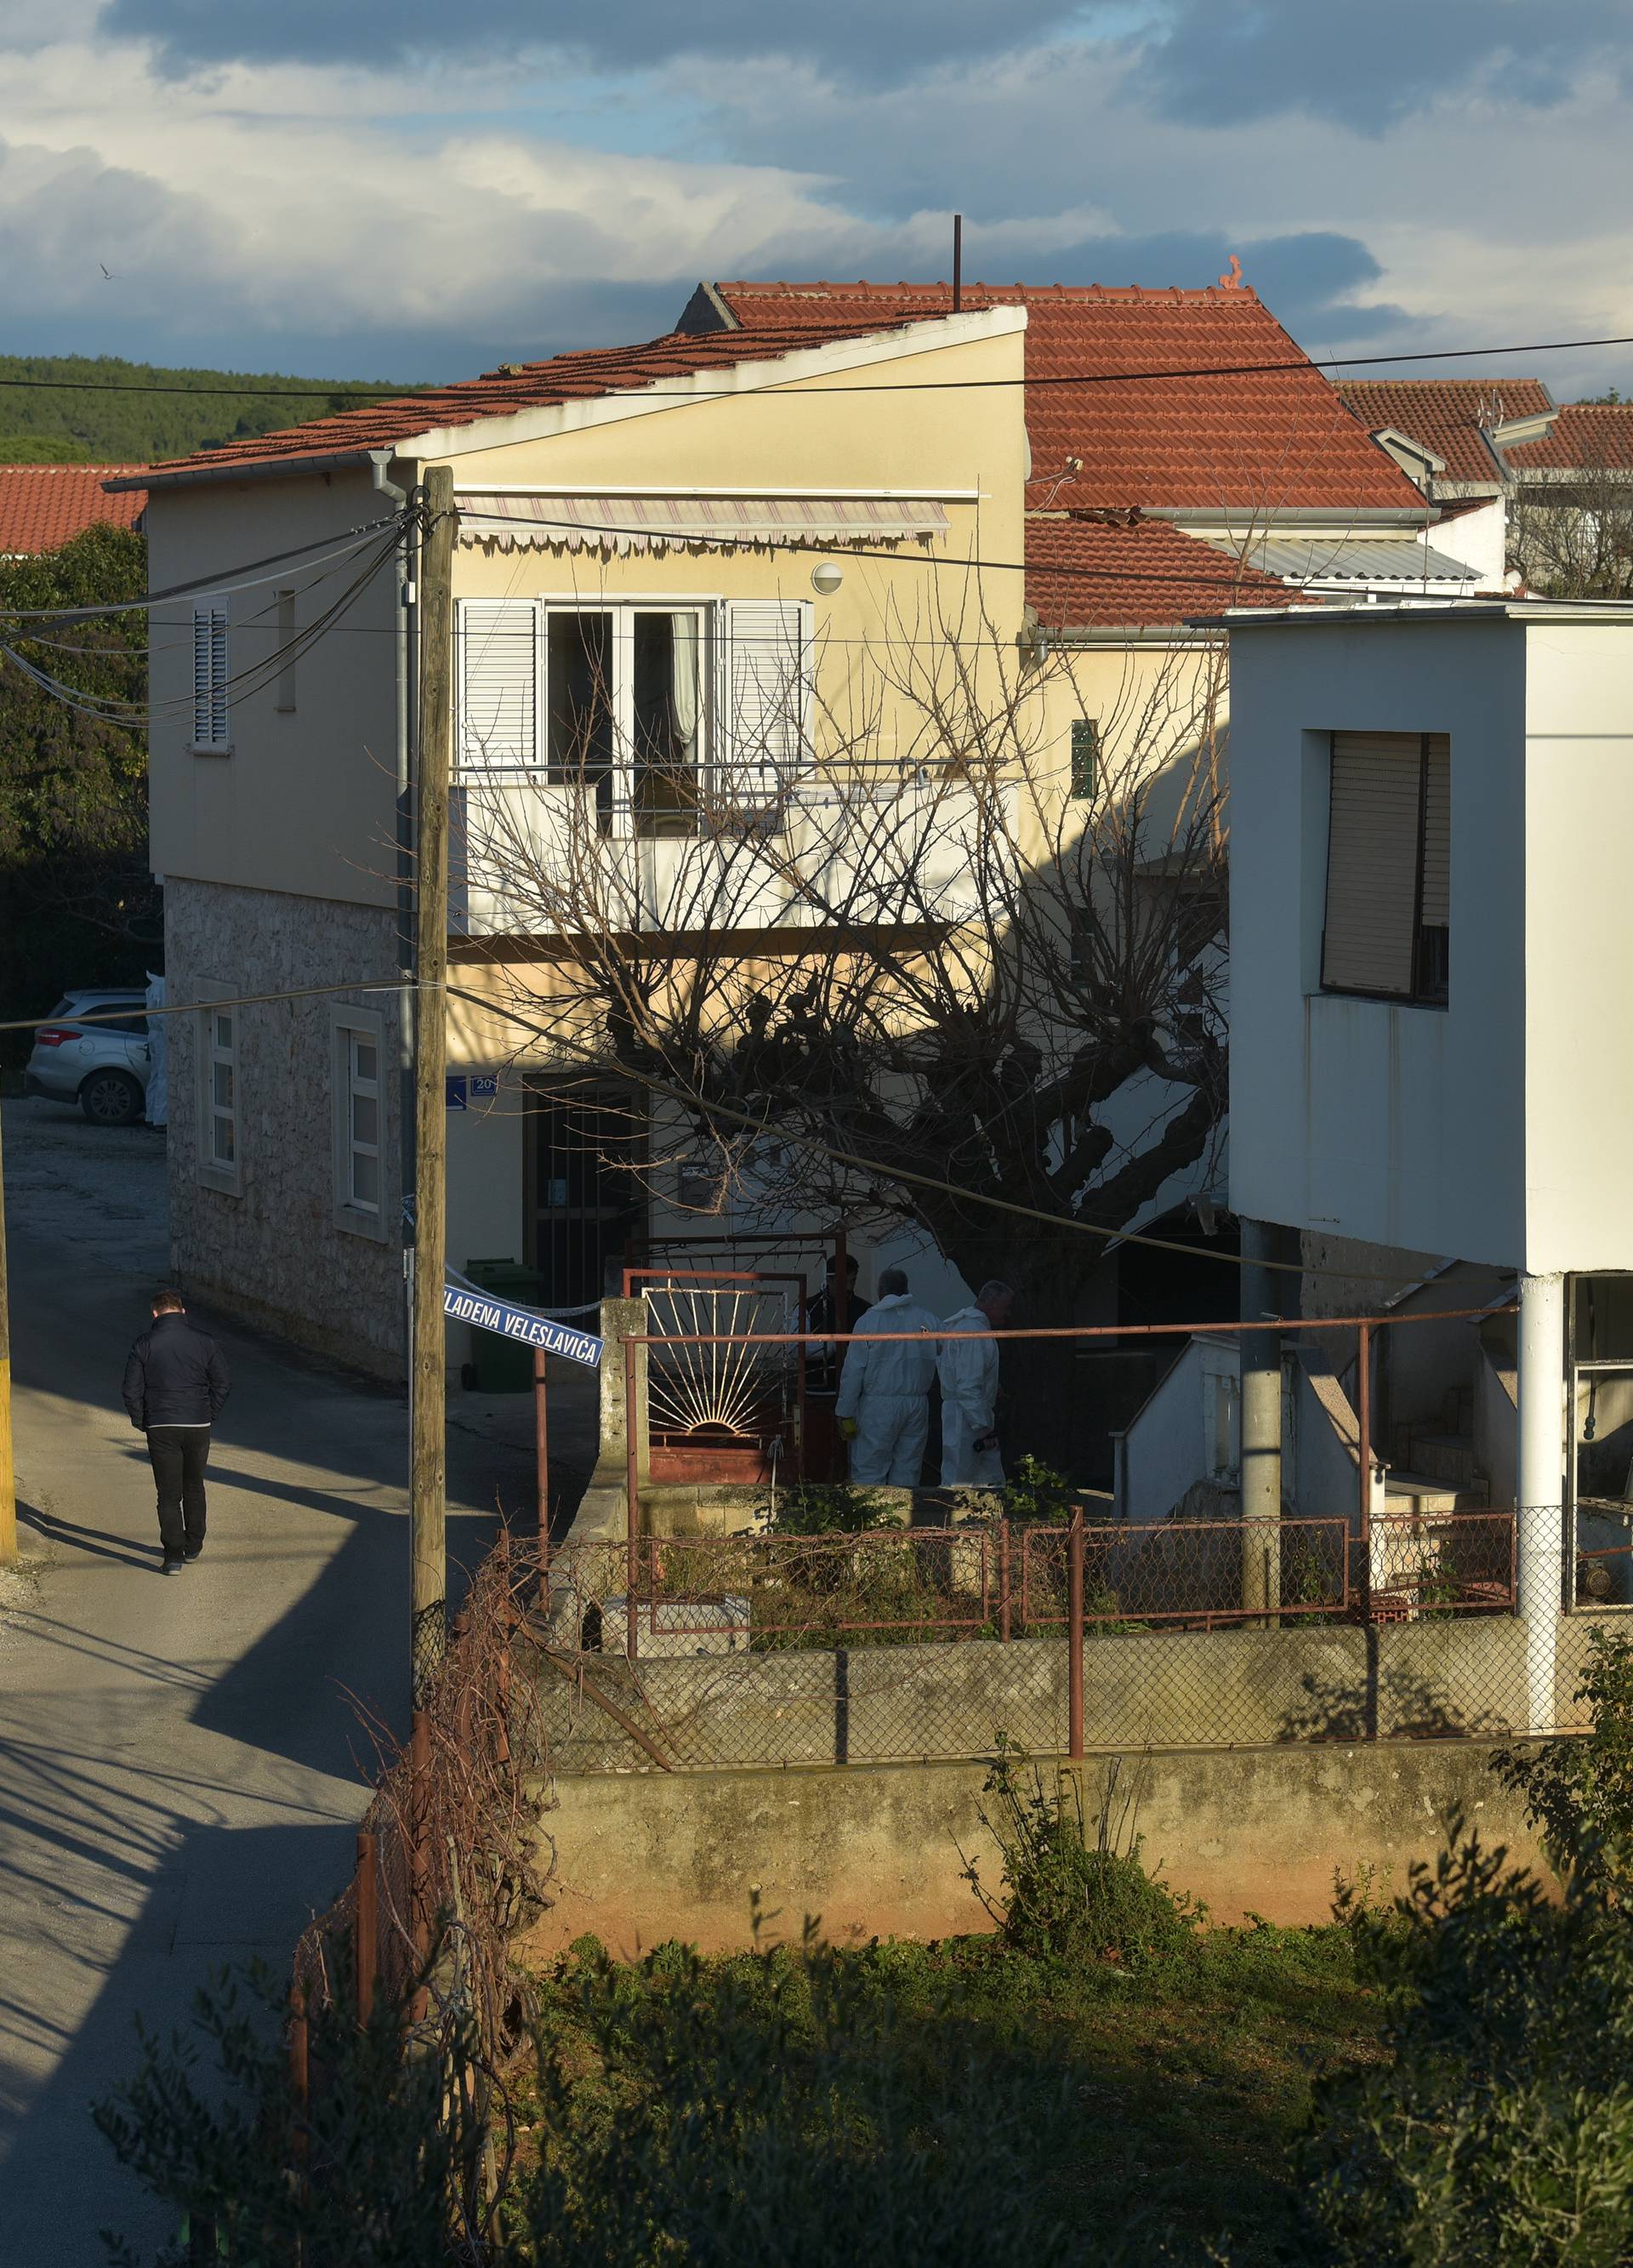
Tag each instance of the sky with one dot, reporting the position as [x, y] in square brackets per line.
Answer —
[407, 189]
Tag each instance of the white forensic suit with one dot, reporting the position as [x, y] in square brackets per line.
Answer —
[886, 1390]
[968, 1370]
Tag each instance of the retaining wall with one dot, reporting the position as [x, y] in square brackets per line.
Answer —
[880, 1850]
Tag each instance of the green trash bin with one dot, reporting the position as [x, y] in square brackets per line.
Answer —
[504, 1365]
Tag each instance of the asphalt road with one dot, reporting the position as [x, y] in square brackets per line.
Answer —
[181, 1760]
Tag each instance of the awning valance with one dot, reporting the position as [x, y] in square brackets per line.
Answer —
[500, 520]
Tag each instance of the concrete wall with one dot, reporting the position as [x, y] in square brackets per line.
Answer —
[1403, 1126]
[1309, 1681]
[881, 1849]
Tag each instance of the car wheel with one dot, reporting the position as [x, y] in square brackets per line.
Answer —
[111, 1098]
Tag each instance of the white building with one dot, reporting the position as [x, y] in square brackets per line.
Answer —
[1431, 930]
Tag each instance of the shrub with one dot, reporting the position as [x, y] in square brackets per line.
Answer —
[1036, 1491]
[1578, 1791]
[826, 1508]
[1069, 1899]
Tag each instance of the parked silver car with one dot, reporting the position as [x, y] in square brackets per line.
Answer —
[103, 1067]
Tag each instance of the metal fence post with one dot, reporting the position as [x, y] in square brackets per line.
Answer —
[1364, 1456]
[1074, 1639]
[632, 1492]
[1003, 1580]
[541, 1465]
[366, 1932]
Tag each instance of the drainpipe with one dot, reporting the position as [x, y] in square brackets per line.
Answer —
[1540, 1499]
[1260, 1421]
[407, 622]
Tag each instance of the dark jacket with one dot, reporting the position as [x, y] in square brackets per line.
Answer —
[175, 1375]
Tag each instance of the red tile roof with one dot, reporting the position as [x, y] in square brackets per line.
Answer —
[1092, 574]
[1240, 440]
[581, 376]
[1586, 436]
[44, 506]
[1446, 414]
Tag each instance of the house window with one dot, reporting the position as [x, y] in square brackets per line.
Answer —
[358, 1035]
[210, 678]
[1387, 929]
[663, 717]
[1086, 755]
[220, 1154]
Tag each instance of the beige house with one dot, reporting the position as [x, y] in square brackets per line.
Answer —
[735, 613]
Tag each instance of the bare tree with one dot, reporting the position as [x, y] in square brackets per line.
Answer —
[1570, 532]
[917, 930]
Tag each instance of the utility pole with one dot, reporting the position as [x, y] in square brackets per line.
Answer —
[8, 1486]
[427, 1473]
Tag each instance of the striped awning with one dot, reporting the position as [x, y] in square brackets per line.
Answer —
[503, 521]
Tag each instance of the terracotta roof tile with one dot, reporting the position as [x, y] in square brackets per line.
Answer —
[1259, 440]
[580, 376]
[1587, 435]
[1092, 574]
[1446, 414]
[44, 506]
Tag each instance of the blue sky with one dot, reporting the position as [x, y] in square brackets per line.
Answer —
[413, 190]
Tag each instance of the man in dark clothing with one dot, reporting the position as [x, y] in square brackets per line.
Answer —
[175, 1383]
[822, 1317]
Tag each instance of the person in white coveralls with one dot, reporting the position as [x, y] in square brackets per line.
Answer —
[968, 1370]
[884, 1396]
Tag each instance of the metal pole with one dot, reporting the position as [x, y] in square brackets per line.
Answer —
[8, 1483]
[1074, 1633]
[427, 1485]
[1364, 1456]
[1003, 1580]
[1260, 1408]
[1540, 1510]
[800, 1376]
[632, 1492]
[541, 1460]
[958, 262]
[366, 1936]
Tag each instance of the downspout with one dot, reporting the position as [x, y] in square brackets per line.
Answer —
[405, 643]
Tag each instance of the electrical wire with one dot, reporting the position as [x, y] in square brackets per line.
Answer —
[365, 395]
[243, 577]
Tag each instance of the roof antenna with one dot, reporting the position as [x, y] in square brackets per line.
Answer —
[957, 262]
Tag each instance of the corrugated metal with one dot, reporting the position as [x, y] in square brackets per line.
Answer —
[1372, 863]
[624, 524]
[1371, 559]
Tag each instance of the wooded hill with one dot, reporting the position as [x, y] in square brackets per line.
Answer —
[87, 416]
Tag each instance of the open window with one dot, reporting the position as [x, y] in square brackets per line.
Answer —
[1388, 930]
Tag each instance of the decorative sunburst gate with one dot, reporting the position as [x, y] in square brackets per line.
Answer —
[723, 1410]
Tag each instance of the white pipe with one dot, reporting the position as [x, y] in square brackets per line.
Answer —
[1540, 1495]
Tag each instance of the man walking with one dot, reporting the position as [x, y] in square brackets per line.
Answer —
[968, 1370]
[175, 1383]
[884, 1407]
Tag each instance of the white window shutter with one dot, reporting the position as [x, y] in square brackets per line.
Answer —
[766, 689]
[1372, 863]
[498, 685]
[210, 674]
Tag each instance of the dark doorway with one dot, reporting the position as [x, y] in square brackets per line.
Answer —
[585, 1204]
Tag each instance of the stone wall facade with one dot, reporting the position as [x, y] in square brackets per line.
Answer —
[278, 1248]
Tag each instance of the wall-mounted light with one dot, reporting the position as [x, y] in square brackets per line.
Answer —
[827, 576]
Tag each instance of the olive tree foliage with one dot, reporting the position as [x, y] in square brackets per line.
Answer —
[902, 943]
[76, 901]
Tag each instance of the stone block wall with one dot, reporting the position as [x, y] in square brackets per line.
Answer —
[272, 1254]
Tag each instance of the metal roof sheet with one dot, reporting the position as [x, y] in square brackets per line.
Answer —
[1358, 559]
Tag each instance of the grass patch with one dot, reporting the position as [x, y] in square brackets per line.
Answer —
[1100, 2111]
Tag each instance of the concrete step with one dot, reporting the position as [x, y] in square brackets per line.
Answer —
[1448, 1457]
[1419, 1493]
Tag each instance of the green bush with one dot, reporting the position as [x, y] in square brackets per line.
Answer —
[825, 1508]
[1068, 1898]
[1500, 2128]
[1036, 1491]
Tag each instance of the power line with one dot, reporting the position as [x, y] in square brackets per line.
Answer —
[243, 577]
[364, 395]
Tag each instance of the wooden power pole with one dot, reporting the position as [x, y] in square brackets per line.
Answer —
[427, 1473]
[8, 1487]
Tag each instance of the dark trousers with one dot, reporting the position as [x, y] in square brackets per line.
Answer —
[179, 1454]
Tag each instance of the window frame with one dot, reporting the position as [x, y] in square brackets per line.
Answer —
[1426, 989]
[348, 1025]
[225, 1176]
[212, 707]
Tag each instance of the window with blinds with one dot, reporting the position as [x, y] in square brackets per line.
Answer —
[1387, 931]
[210, 707]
